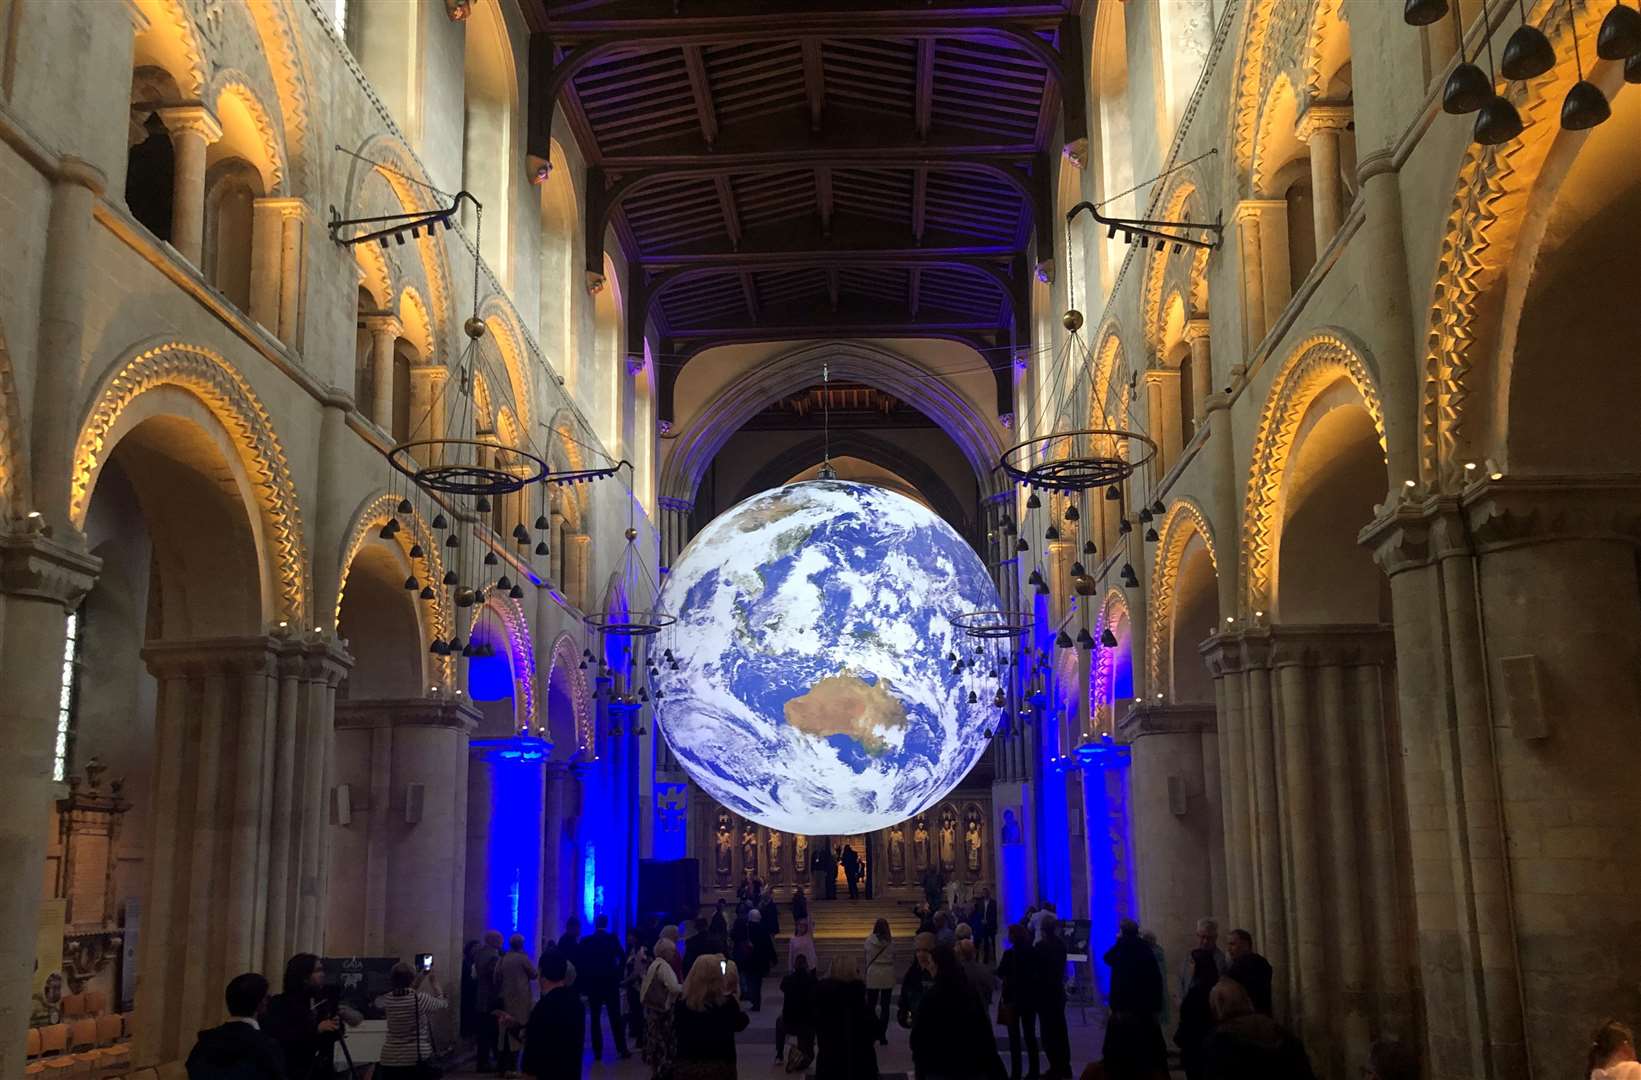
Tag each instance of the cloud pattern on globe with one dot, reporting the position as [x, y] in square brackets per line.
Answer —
[813, 692]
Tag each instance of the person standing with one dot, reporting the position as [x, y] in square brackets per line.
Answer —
[515, 985]
[797, 1018]
[486, 1032]
[951, 1034]
[800, 905]
[1165, 1015]
[1051, 998]
[880, 975]
[916, 979]
[706, 1020]
[409, 1041]
[933, 886]
[801, 944]
[659, 993]
[980, 976]
[632, 976]
[759, 960]
[983, 918]
[1196, 1017]
[238, 1049]
[817, 871]
[1250, 969]
[845, 1025]
[851, 871]
[769, 913]
[1612, 1053]
[1207, 938]
[1133, 1041]
[831, 873]
[553, 1036]
[598, 964]
[571, 937]
[1017, 1006]
[303, 1021]
[1247, 1046]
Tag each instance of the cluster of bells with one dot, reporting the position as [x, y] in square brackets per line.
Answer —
[1527, 55]
[629, 697]
[465, 596]
[1081, 581]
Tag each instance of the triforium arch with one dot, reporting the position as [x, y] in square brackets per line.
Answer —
[521, 657]
[1488, 212]
[230, 399]
[1165, 273]
[439, 622]
[875, 366]
[506, 337]
[1113, 616]
[231, 92]
[1185, 519]
[1110, 363]
[1316, 363]
[287, 62]
[1276, 41]
[572, 736]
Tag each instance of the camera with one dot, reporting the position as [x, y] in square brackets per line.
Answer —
[424, 962]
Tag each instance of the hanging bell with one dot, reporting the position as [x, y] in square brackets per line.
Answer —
[416, 551]
[467, 650]
[1620, 35]
[1063, 641]
[1157, 509]
[1021, 545]
[1129, 578]
[454, 644]
[541, 548]
[1084, 641]
[1071, 512]
[405, 507]
[516, 593]
[999, 700]
[504, 582]
[481, 505]
[451, 541]
[1527, 55]
[1051, 534]
[542, 524]
[974, 698]
[1632, 69]
[1423, 12]
[1467, 89]
[1088, 548]
[1108, 639]
[1124, 526]
[490, 558]
[439, 522]
[1151, 535]
[1145, 513]
[438, 648]
[521, 534]
[1584, 107]
[390, 529]
[1112, 493]
[427, 593]
[411, 583]
[1036, 578]
[582, 665]
[1078, 570]
[450, 577]
[1496, 122]
[1033, 502]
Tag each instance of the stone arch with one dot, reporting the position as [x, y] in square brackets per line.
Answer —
[567, 664]
[1492, 192]
[417, 322]
[872, 365]
[376, 276]
[1114, 616]
[1184, 520]
[1275, 143]
[287, 62]
[1316, 363]
[1109, 359]
[371, 515]
[564, 452]
[508, 337]
[230, 399]
[1177, 206]
[521, 655]
[559, 218]
[247, 128]
[171, 42]
[413, 190]
[1328, 34]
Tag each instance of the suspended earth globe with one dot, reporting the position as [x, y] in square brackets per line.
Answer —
[813, 691]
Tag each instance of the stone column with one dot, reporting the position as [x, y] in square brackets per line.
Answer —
[1319, 129]
[267, 231]
[193, 129]
[293, 223]
[1061, 554]
[1254, 324]
[385, 331]
[1298, 823]
[576, 547]
[427, 402]
[1388, 322]
[675, 514]
[1266, 281]
[1202, 370]
[1172, 817]
[1161, 398]
[40, 582]
[553, 910]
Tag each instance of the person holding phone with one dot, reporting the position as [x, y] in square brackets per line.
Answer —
[706, 1021]
[409, 1047]
[305, 1020]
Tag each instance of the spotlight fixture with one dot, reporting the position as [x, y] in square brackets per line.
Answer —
[450, 577]
[1151, 535]
[439, 648]
[1078, 570]
[1496, 122]
[1466, 90]
[1585, 105]
[1528, 54]
[1129, 578]
[405, 507]
[1033, 502]
[1036, 578]
[481, 504]
[521, 534]
[389, 530]
[1423, 12]
[516, 593]
[490, 558]
[1021, 545]
[1124, 526]
[451, 541]
[542, 524]
[1158, 509]
[504, 582]
[541, 547]
[1088, 548]
[1145, 513]
[1620, 35]
[1108, 639]
[416, 552]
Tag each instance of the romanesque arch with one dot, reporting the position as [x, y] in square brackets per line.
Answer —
[231, 401]
[1316, 363]
[572, 735]
[439, 623]
[1185, 519]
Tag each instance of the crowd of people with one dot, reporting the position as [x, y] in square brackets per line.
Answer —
[682, 993]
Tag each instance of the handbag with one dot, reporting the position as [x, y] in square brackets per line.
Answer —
[657, 997]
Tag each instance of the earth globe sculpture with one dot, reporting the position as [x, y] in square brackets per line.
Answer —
[812, 687]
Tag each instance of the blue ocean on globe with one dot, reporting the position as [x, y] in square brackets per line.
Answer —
[813, 693]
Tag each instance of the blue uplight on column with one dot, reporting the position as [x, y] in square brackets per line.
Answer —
[513, 856]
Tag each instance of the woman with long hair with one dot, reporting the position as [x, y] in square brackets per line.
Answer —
[409, 1041]
[845, 1027]
[706, 1021]
[880, 975]
[658, 992]
[1612, 1053]
[303, 1019]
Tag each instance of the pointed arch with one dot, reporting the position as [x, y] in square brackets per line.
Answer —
[230, 399]
[1312, 366]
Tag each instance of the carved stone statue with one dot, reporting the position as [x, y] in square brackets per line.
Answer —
[1011, 828]
[948, 840]
[749, 849]
[897, 855]
[775, 842]
[920, 844]
[971, 841]
[800, 856]
[722, 866]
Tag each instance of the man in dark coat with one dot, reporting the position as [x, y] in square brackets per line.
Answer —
[983, 921]
[598, 962]
[486, 1033]
[1250, 969]
[1133, 1040]
[553, 1037]
[1050, 956]
[951, 1033]
[238, 1050]
[851, 871]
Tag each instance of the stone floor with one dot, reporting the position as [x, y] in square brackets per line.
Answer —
[756, 1047]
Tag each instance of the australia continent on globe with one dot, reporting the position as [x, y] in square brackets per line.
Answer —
[813, 691]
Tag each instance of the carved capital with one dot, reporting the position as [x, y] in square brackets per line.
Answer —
[1254, 210]
[287, 206]
[255, 655]
[1076, 152]
[35, 566]
[674, 504]
[663, 428]
[635, 363]
[1006, 419]
[1322, 116]
[1511, 512]
[1195, 330]
[195, 119]
[383, 323]
[1153, 719]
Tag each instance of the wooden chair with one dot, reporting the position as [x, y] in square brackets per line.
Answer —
[96, 1002]
[82, 1044]
[111, 1053]
[34, 1067]
[54, 1056]
[73, 1006]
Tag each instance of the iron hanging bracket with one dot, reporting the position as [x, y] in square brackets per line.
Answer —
[1177, 233]
[394, 226]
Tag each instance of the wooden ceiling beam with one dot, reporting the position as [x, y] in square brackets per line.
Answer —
[749, 289]
[834, 285]
[814, 81]
[920, 202]
[924, 108]
[732, 216]
[914, 289]
[823, 198]
[700, 90]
